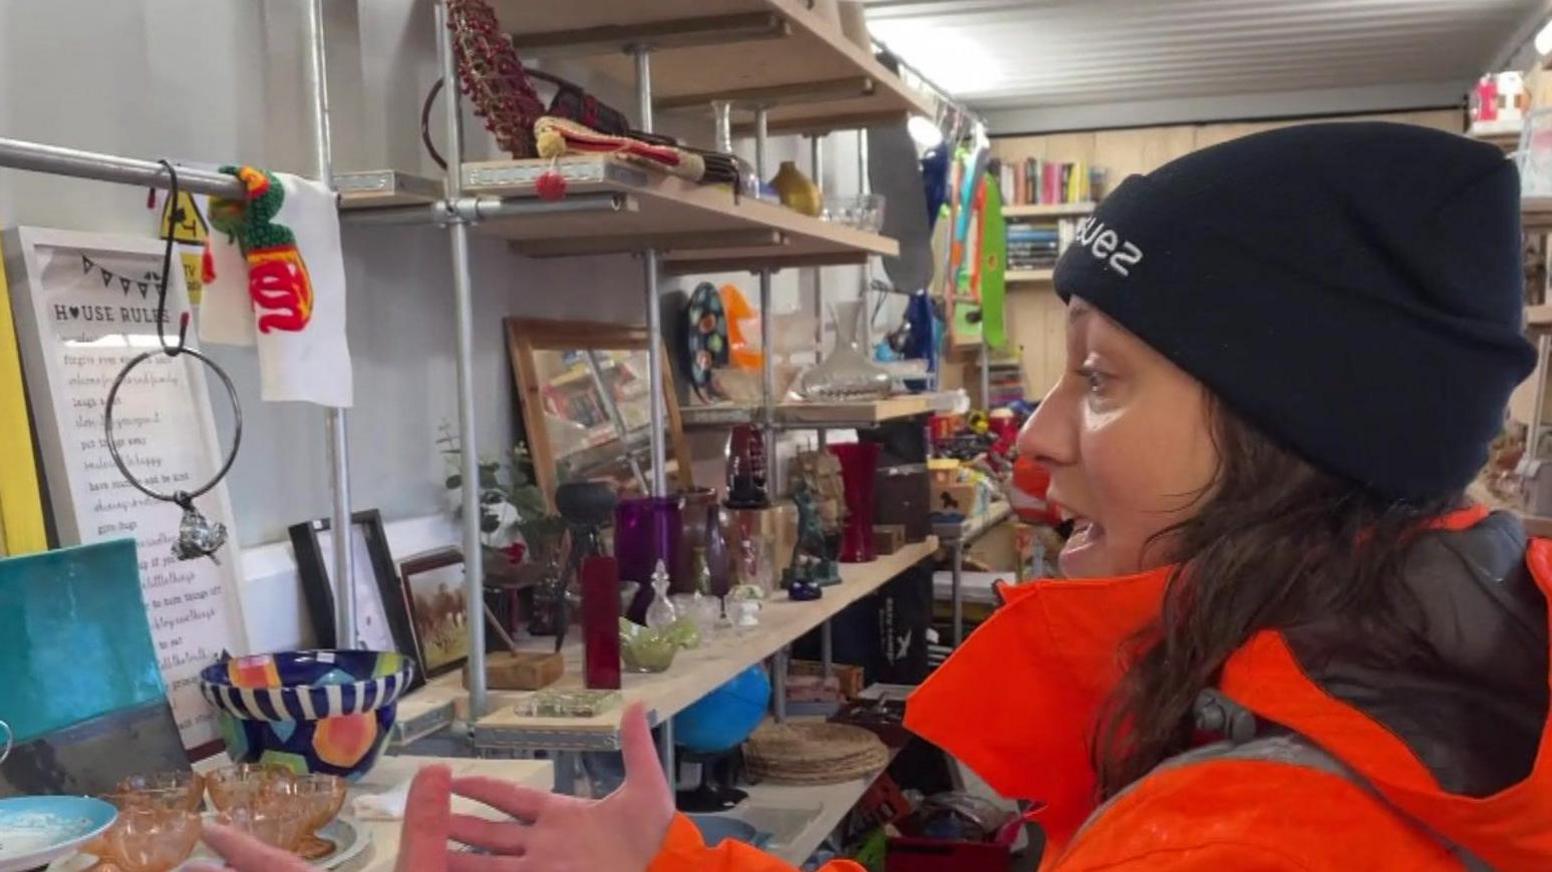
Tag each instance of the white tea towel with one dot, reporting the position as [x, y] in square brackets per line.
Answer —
[294, 312]
[312, 364]
[386, 806]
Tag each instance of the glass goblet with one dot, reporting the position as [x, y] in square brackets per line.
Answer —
[184, 790]
[319, 797]
[152, 839]
[240, 785]
[272, 820]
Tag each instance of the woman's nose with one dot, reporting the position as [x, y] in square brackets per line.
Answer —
[1049, 436]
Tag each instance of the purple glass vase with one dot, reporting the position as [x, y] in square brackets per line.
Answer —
[859, 469]
[646, 530]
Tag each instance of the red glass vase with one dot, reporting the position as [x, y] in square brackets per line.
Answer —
[859, 466]
[600, 623]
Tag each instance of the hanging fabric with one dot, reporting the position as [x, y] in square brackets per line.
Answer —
[280, 286]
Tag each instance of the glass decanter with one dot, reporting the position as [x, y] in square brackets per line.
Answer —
[660, 613]
[846, 373]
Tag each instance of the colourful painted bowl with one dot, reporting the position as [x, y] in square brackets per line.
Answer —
[309, 711]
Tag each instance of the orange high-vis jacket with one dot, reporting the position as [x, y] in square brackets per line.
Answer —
[1443, 767]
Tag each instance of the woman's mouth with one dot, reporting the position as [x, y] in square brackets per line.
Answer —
[1080, 556]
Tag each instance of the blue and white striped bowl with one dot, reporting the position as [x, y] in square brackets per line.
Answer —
[311, 711]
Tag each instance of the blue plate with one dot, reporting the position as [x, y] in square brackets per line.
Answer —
[35, 830]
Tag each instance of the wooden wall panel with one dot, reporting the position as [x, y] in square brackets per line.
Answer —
[1037, 319]
[1127, 152]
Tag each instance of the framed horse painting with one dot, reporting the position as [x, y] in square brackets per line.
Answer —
[434, 590]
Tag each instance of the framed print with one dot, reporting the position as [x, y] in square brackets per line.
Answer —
[382, 620]
[434, 590]
[84, 305]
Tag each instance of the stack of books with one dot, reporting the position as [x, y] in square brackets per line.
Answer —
[1034, 181]
[1033, 245]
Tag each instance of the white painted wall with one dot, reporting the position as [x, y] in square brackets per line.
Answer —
[225, 82]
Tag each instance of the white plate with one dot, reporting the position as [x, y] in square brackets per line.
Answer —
[349, 838]
[37, 829]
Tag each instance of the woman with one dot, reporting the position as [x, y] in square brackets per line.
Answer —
[1286, 641]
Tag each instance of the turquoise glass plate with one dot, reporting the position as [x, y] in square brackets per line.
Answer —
[36, 830]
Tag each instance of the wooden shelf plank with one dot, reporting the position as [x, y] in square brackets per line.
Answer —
[374, 189]
[1028, 276]
[1539, 317]
[780, 48]
[692, 224]
[1047, 210]
[694, 673]
[797, 415]
[814, 810]
[427, 710]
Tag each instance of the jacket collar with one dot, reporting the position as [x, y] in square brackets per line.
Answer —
[1019, 701]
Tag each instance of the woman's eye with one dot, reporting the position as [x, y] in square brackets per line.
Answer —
[1095, 379]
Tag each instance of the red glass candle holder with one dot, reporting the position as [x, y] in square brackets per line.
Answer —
[600, 623]
[859, 466]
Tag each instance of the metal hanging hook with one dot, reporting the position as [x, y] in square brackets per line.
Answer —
[198, 536]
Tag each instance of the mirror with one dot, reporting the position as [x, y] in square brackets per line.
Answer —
[583, 395]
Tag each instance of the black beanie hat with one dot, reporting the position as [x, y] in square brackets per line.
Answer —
[1354, 290]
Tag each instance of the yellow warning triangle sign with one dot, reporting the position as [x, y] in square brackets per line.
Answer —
[181, 220]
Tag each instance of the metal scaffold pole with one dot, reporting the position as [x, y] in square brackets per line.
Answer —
[463, 308]
[339, 448]
[649, 266]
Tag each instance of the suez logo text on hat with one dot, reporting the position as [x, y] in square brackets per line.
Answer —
[1107, 245]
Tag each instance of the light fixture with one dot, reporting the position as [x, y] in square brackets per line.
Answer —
[924, 132]
[1543, 39]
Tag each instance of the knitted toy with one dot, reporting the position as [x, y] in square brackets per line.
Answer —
[278, 281]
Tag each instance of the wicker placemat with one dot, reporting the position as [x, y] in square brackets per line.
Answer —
[813, 753]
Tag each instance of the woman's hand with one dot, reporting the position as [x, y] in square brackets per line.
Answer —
[621, 832]
[422, 845]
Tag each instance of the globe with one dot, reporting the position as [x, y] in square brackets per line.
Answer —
[724, 718]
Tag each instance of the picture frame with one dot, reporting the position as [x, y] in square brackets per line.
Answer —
[82, 306]
[382, 615]
[534, 342]
[433, 590]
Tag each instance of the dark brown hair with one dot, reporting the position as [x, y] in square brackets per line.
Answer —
[1275, 543]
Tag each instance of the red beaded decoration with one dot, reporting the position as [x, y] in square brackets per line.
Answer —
[492, 76]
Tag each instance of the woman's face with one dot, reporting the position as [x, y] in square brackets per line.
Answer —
[1125, 435]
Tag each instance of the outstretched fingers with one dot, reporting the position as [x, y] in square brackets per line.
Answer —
[643, 770]
[495, 836]
[504, 796]
[427, 820]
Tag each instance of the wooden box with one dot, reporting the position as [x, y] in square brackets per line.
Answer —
[848, 678]
[525, 670]
[888, 538]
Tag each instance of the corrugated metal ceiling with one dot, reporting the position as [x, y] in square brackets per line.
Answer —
[1005, 55]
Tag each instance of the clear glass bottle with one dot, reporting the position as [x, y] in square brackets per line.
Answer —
[846, 373]
[660, 612]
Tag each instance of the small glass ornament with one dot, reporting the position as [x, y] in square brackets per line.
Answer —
[743, 605]
[660, 612]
